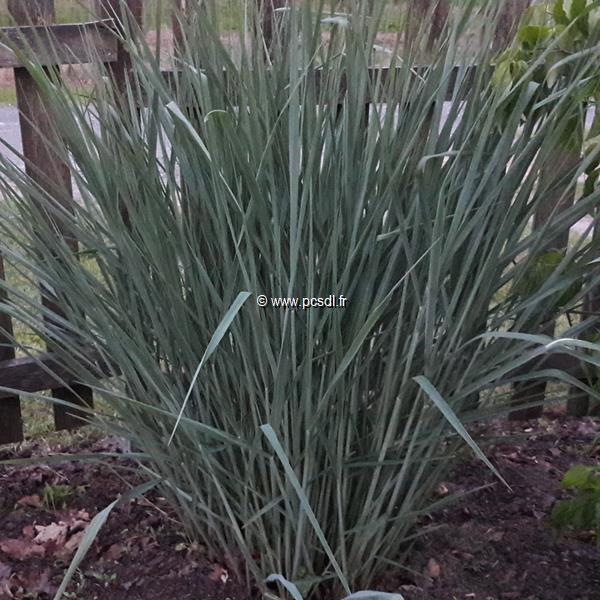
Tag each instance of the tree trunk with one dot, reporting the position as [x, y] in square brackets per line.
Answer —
[422, 12]
[509, 19]
[440, 18]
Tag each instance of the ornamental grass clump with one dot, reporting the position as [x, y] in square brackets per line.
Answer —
[305, 443]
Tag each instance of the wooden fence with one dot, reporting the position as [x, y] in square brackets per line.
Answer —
[53, 45]
[57, 45]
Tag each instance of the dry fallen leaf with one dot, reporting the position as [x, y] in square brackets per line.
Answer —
[114, 552]
[5, 571]
[29, 531]
[442, 490]
[81, 515]
[219, 574]
[33, 501]
[70, 546]
[188, 569]
[36, 582]
[55, 533]
[432, 569]
[5, 589]
[77, 525]
[494, 536]
[21, 549]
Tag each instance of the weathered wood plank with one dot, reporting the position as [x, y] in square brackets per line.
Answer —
[127, 16]
[30, 375]
[120, 11]
[510, 17]
[562, 162]
[45, 372]
[426, 18]
[270, 23]
[44, 165]
[11, 423]
[178, 12]
[36, 374]
[579, 404]
[59, 44]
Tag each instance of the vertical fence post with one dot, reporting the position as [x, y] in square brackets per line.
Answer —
[579, 402]
[267, 16]
[426, 17]
[120, 70]
[49, 171]
[118, 10]
[269, 23]
[177, 14]
[561, 164]
[438, 23]
[11, 424]
[509, 18]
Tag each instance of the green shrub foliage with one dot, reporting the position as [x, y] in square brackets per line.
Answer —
[582, 512]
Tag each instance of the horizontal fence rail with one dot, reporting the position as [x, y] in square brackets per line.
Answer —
[45, 372]
[59, 44]
[51, 45]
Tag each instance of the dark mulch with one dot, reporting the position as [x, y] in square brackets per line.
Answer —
[141, 553]
[496, 544]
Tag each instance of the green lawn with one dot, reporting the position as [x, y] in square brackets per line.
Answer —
[73, 11]
[232, 12]
[69, 11]
[66, 11]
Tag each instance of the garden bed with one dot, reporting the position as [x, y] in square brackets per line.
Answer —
[494, 544]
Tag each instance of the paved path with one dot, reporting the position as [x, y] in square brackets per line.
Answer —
[9, 128]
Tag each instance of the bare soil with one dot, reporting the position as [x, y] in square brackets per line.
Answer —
[495, 544]
[498, 543]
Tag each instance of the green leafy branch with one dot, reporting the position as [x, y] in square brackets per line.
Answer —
[545, 54]
[581, 513]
